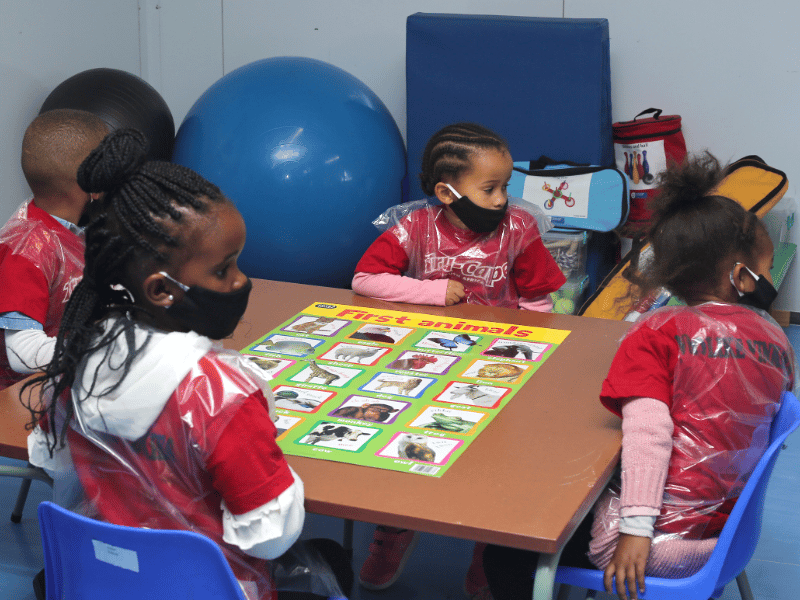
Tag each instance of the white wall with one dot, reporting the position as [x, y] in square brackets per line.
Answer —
[182, 43]
[42, 43]
[364, 37]
[729, 68]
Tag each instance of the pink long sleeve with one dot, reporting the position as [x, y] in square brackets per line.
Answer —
[398, 288]
[539, 304]
[646, 449]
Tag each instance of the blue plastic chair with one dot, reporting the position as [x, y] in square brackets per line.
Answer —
[84, 558]
[738, 539]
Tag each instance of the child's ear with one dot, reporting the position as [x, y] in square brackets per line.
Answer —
[443, 193]
[156, 290]
[741, 279]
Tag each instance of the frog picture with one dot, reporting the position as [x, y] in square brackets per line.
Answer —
[449, 423]
[447, 419]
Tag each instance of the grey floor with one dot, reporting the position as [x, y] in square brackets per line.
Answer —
[436, 570]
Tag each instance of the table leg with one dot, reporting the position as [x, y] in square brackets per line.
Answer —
[547, 564]
[347, 537]
[22, 496]
[544, 583]
[27, 474]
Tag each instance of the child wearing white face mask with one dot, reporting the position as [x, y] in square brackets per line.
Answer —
[475, 247]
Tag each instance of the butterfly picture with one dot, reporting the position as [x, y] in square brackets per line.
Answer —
[462, 339]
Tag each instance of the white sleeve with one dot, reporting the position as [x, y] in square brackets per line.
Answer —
[28, 350]
[269, 530]
[641, 525]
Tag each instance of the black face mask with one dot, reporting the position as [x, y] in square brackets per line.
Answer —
[477, 218]
[209, 313]
[762, 297]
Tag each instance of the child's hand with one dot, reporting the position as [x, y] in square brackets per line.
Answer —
[455, 292]
[627, 565]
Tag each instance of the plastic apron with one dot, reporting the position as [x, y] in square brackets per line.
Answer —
[53, 250]
[438, 250]
[159, 479]
[733, 364]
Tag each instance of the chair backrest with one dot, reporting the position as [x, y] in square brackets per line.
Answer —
[739, 537]
[85, 558]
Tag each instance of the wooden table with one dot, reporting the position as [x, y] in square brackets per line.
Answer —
[526, 481]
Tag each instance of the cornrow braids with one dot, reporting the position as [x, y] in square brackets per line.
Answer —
[448, 152]
[138, 219]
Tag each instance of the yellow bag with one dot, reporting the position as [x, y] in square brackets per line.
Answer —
[748, 181]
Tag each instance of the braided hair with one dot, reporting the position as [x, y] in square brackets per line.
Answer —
[695, 234]
[137, 222]
[449, 151]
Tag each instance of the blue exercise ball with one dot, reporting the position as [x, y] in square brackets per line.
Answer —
[309, 155]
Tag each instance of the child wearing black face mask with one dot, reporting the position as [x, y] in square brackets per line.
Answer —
[153, 423]
[474, 247]
[697, 387]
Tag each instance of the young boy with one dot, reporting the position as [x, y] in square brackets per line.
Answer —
[41, 247]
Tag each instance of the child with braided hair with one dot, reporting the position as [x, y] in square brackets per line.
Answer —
[475, 247]
[41, 245]
[161, 426]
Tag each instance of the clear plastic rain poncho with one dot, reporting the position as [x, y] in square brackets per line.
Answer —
[436, 249]
[57, 255]
[142, 446]
[731, 365]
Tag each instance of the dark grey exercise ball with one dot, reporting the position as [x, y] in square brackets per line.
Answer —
[121, 99]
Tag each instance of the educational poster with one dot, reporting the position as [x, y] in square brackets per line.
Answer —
[393, 390]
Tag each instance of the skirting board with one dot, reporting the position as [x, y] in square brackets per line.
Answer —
[785, 317]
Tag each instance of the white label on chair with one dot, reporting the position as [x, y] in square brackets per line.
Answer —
[114, 555]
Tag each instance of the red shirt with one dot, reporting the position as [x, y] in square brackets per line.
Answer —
[210, 443]
[721, 369]
[41, 262]
[496, 269]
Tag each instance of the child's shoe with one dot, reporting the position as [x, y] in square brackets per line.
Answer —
[475, 584]
[388, 554]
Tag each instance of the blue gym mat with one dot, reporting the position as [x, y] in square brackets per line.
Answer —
[544, 84]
